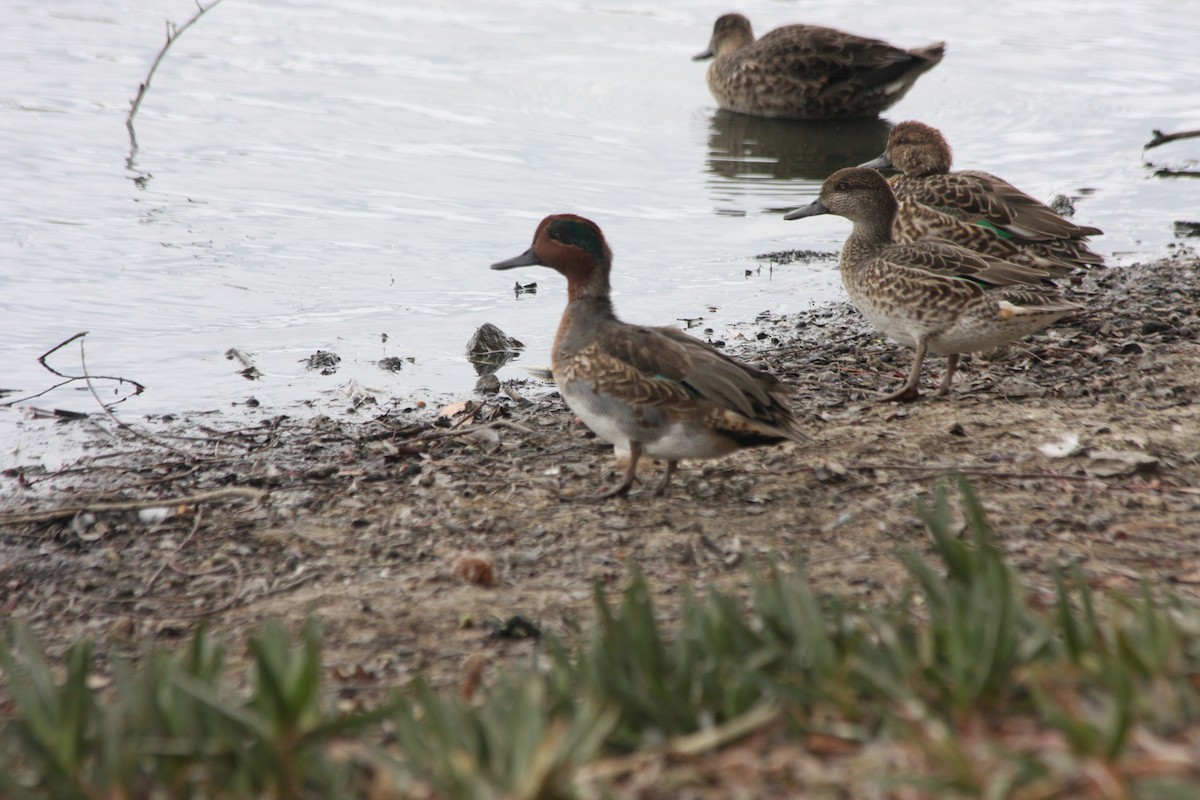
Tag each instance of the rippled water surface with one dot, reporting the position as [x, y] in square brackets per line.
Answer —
[317, 175]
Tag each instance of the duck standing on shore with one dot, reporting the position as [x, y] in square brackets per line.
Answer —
[809, 72]
[653, 392]
[931, 296]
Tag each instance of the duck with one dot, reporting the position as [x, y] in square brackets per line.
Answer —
[808, 71]
[932, 296]
[651, 392]
[922, 156]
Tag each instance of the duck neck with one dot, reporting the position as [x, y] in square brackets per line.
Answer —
[582, 320]
[735, 40]
[875, 230]
[591, 285]
[589, 308]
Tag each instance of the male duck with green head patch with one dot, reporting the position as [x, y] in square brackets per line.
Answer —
[654, 392]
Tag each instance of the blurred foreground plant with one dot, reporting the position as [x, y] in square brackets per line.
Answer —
[985, 691]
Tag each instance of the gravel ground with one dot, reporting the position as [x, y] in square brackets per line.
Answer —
[425, 542]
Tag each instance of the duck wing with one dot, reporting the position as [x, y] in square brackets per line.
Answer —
[982, 197]
[827, 57]
[951, 261]
[665, 367]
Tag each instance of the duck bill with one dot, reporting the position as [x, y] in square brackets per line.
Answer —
[813, 209]
[526, 259]
[707, 54]
[883, 162]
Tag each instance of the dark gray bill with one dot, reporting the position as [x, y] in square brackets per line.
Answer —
[883, 162]
[526, 259]
[813, 209]
[705, 55]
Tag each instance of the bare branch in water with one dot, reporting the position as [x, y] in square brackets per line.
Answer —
[107, 408]
[137, 387]
[173, 32]
[1163, 138]
[89, 381]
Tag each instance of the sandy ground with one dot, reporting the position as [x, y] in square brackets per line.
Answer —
[420, 540]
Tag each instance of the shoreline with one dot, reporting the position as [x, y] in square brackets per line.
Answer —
[1083, 443]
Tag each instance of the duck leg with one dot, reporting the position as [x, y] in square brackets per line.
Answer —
[621, 489]
[661, 489]
[911, 389]
[951, 365]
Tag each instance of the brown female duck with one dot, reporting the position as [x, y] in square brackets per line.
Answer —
[932, 296]
[996, 210]
[809, 72]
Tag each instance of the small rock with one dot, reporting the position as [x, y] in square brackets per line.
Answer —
[1068, 445]
[477, 569]
[1063, 205]
[490, 348]
[322, 361]
[488, 383]
[1186, 228]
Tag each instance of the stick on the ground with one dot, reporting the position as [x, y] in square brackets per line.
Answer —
[1163, 138]
[173, 32]
[215, 495]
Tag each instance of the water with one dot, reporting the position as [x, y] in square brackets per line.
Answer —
[314, 175]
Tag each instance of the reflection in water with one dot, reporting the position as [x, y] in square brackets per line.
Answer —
[747, 149]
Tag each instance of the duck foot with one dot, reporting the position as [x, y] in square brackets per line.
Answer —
[621, 489]
[911, 389]
[661, 489]
[906, 394]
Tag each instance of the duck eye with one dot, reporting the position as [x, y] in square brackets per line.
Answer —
[841, 186]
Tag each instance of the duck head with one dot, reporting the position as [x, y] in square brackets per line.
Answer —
[916, 149]
[573, 246]
[730, 32]
[856, 193]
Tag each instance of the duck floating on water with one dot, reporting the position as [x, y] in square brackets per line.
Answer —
[809, 72]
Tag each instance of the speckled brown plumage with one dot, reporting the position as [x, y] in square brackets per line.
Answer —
[932, 296]
[809, 72]
[990, 204]
[648, 391]
[916, 222]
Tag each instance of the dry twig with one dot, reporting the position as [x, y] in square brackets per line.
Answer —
[173, 32]
[137, 387]
[456, 431]
[171, 558]
[229, 493]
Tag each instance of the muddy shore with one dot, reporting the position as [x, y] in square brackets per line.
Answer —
[418, 539]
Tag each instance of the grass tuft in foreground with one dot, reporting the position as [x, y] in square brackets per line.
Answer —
[967, 685]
